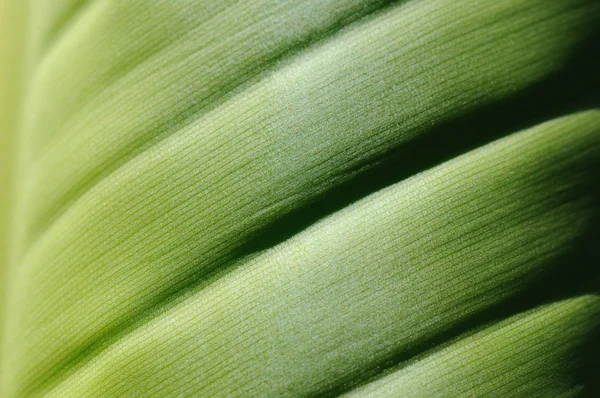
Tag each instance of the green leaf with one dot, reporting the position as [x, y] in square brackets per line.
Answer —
[307, 198]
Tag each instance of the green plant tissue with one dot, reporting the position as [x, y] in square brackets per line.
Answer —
[308, 198]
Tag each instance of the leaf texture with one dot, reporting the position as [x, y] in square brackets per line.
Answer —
[307, 198]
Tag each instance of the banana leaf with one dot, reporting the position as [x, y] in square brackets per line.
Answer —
[270, 198]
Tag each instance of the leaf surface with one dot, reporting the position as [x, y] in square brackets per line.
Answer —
[233, 198]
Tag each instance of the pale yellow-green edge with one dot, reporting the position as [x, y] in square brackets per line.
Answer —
[12, 24]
